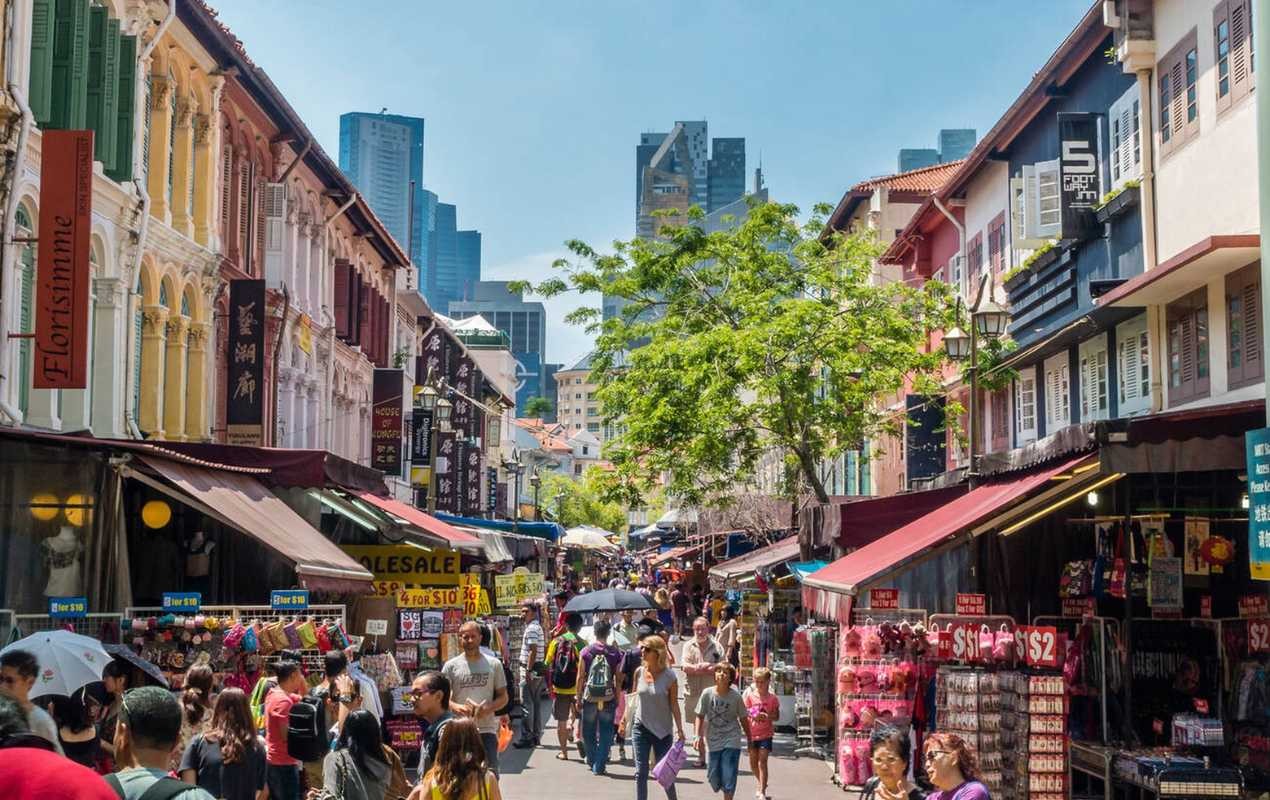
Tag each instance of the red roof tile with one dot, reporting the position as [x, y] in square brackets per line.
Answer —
[925, 179]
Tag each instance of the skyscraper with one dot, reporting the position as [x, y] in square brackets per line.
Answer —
[954, 144]
[726, 172]
[676, 170]
[469, 262]
[443, 272]
[524, 323]
[382, 154]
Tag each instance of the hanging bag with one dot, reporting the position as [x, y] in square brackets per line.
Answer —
[668, 768]
[1003, 645]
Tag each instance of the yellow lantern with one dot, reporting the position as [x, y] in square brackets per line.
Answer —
[156, 514]
[44, 506]
[78, 509]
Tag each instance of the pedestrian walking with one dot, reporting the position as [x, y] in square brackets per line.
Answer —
[680, 609]
[700, 655]
[196, 708]
[18, 669]
[479, 688]
[357, 769]
[665, 614]
[459, 771]
[75, 729]
[656, 710]
[431, 692]
[721, 721]
[532, 669]
[953, 768]
[282, 771]
[889, 751]
[114, 678]
[764, 709]
[145, 733]
[228, 759]
[31, 770]
[599, 684]
[729, 636]
[327, 695]
[564, 660]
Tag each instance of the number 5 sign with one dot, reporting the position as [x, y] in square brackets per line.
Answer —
[1040, 646]
[1259, 636]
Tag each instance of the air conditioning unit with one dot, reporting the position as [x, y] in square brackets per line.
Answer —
[275, 203]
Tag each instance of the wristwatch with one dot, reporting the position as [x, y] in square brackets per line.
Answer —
[345, 698]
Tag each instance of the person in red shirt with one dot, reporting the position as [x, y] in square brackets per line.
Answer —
[282, 772]
[31, 770]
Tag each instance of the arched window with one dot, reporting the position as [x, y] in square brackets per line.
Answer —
[26, 316]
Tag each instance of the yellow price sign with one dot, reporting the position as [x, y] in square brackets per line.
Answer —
[516, 588]
[448, 597]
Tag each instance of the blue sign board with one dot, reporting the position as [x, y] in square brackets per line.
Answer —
[182, 602]
[1258, 456]
[288, 599]
[68, 607]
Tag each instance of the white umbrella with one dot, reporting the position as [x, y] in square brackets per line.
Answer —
[68, 661]
[587, 537]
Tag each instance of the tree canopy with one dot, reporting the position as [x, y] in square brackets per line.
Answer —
[582, 501]
[537, 407]
[767, 338]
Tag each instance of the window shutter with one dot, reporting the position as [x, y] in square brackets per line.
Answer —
[1222, 55]
[26, 322]
[244, 228]
[1100, 383]
[258, 256]
[274, 211]
[363, 316]
[226, 187]
[1018, 223]
[1177, 102]
[1241, 71]
[126, 96]
[97, 17]
[1065, 393]
[1031, 203]
[1086, 382]
[342, 276]
[41, 86]
[1049, 204]
[70, 65]
[1252, 330]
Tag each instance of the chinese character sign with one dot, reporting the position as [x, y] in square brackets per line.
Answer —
[1257, 444]
[386, 421]
[446, 459]
[1080, 188]
[245, 356]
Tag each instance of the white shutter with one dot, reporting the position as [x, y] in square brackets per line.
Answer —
[1124, 123]
[1018, 201]
[1086, 384]
[1065, 395]
[275, 208]
[1049, 223]
[1133, 367]
[1031, 202]
[1102, 402]
[1094, 403]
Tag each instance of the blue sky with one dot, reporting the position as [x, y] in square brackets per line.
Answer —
[534, 108]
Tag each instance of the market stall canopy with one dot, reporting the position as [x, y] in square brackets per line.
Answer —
[450, 535]
[755, 560]
[242, 502]
[868, 519]
[549, 531]
[801, 569]
[496, 549]
[829, 591]
[678, 516]
[674, 553]
[588, 538]
[310, 469]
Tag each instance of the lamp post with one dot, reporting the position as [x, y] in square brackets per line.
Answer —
[536, 481]
[559, 498]
[989, 320]
[440, 408]
[515, 468]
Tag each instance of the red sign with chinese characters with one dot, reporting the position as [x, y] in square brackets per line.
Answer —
[62, 271]
[971, 605]
[884, 598]
[1079, 607]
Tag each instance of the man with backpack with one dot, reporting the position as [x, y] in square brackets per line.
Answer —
[282, 770]
[148, 728]
[599, 682]
[563, 666]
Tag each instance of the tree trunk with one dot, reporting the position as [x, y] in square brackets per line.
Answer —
[807, 465]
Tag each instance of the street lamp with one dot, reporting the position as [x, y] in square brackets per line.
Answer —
[989, 320]
[428, 398]
[559, 498]
[440, 408]
[536, 481]
[515, 468]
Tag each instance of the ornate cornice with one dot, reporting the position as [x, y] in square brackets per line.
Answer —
[152, 320]
[202, 127]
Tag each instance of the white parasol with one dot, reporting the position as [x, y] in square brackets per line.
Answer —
[68, 661]
[587, 537]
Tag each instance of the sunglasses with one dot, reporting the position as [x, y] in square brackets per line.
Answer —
[931, 755]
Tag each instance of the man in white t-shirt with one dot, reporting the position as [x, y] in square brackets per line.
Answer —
[533, 650]
[18, 669]
[477, 688]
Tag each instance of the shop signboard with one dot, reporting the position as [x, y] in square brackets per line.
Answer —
[62, 270]
[1206, 606]
[1040, 646]
[1258, 636]
[407, 564]
[1164, 589]
[288, 599]
[491, 490]
[884, 598]
[1257, 452]
[245, 387]
[510, 590]
[447, 492]
[1253, 605]
[68, 607]
[182, 602]
[376, 627]
[965, 643]
[1079, 184]
[1079, 607]
[386, 422]
[971, 605]
[472, 485]
[421, 438]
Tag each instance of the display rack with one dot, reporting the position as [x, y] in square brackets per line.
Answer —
[813, 686]
[27, 624]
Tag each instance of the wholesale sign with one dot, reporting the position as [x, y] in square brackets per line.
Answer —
[62, 271]
[385, 423]
[1078, 172]
[884, 598]
[407, 564]
[245, 389]
[1257, 446]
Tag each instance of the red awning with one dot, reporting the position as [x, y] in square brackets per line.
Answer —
[868, 520]
[762, 558]
[675, 553]
[875, 561]
[425, 522]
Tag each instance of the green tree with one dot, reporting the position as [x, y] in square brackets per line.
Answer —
[537, 407]
[766, 335]
[582, 501]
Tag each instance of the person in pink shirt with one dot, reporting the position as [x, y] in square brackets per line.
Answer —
[764, 709]
[282, 772]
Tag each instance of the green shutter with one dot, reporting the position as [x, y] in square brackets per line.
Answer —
[137, 319]
[107, 129]
[26, 324]
[95, 108]
[70, 65]
[126, 95]
[41, 89]
[145, 129]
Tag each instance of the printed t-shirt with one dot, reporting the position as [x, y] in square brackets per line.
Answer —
[762, 729]
[970, 790]
[723, 714]
[476, 682]
[277, 713]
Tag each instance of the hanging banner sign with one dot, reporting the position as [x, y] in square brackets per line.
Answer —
[68, 607]
[884, 598]
[1253, 605]
[182, 602]
[1040, 646]
[288, 599]
[971, 605]
[1258, 636]
[447, 492]
[510, 590]
[421, 438]
[245, 388]
[965, 643]
[386, 421]
[491, 490]
[62, 271]
[1257, 451]
[1079, 607]
[1079, 183]
[407, 564]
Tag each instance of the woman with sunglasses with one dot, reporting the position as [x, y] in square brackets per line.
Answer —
[951, 766]
[656, 707]
[889, 750]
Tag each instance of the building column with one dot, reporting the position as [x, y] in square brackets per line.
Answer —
[363, 434]
[153, 327]
[110, 372]
[205, 172]
[197, 382]
[183, 142]
[160, 123]
[174, 383]
[285, 423]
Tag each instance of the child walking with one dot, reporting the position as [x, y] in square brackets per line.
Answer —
[764, 709]
[723, 730]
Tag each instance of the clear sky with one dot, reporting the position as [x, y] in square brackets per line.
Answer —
[534, 107]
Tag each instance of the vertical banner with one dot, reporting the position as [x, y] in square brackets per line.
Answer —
[245, 389]
[62, 271]
[1257, 446]
[473, 483]
[1078, 172]
[446, 490]
[385, 421]
[430, 360]
[491, 490]
[421, 439]
[459, 470]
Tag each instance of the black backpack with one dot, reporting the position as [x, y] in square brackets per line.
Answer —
[564, 663]
[306, 729]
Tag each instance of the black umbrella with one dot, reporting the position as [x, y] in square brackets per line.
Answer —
[126, 653]
[608, 600]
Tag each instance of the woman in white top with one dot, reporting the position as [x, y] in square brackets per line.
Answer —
[728, 636]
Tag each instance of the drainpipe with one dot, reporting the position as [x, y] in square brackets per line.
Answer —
[961, 247]
[1156, 329]
[143, 204]
[1263, 154]
[11, 208]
